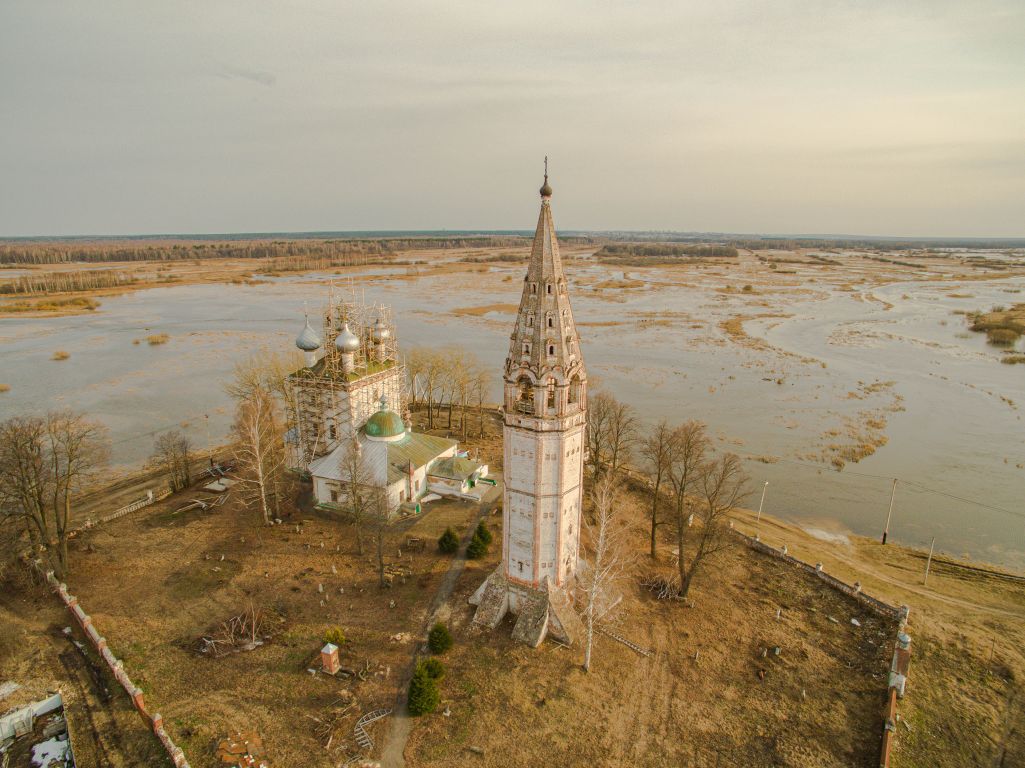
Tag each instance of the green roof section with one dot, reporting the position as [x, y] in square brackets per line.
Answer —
[456, 468]
[417, 448]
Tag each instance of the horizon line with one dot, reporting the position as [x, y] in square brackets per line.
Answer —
[379, 234]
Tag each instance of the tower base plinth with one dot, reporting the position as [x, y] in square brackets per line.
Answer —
[539, 612]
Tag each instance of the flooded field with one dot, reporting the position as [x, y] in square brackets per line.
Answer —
[830, 381]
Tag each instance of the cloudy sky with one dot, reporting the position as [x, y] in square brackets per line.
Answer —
[888, 118]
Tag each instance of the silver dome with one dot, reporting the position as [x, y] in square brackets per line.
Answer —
[307, 340]
[381, 331]
[347, 341]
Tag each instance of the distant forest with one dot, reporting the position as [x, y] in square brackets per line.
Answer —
[338, 252]
[638, 254]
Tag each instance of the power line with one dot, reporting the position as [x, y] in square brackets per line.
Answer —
[919, 486]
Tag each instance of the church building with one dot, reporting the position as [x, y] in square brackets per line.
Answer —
[345, 418]
[545, 418]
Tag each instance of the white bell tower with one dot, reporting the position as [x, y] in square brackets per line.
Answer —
[545, 413]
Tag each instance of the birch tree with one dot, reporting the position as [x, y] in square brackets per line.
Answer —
[608, 559]
[259, 450]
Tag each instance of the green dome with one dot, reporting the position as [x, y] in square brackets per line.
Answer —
[384, 423]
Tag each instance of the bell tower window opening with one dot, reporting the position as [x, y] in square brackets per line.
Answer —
[551, 322]
[533, 287]
[551, 350]
[574, 390]
[549, 287]
[530, 321]
[524, 396]
[550, 399]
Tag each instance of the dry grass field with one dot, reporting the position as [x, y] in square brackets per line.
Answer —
[157, 581]
[706, 694]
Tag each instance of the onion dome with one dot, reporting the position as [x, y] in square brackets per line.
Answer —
[347, 341]
[308, 341]
[546, 188]
[385, 424]
[381, 332]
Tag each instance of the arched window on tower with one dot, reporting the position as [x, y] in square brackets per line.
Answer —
[551, 321]
[574, 390]
[550, 399]
[524, 395]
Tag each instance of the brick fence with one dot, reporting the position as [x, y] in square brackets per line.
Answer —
[901, 663]
[155, 722]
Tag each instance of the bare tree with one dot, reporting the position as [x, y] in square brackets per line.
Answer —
[481, 385]
[416, 365]
[44, 463]
[267, 370]
[172, 452]
[722, 489]
[611, 432]
[259, 449]
[608, 559]
[358, 478]
[433, 367]
[657, 450]
[687, 464]
[381, 514]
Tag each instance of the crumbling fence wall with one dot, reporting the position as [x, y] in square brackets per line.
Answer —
[151, 497]
[901, 662]
[155, 722]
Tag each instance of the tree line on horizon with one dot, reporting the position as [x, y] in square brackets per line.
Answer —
[347, 252]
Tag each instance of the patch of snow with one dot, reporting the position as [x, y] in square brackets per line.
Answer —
[52, 752]
[834, 537]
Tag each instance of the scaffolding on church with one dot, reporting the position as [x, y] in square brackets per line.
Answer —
[343, 383]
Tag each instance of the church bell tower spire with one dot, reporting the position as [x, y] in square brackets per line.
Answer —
[545, 417]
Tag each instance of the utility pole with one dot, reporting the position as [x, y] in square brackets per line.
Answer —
[760, 503]
[889, 514]
[929, 561]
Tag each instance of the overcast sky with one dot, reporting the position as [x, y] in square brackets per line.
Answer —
[888, 118]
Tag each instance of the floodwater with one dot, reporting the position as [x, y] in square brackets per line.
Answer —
[817, 364]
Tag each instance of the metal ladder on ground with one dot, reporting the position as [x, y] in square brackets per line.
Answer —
[362, 737]
[632, 646]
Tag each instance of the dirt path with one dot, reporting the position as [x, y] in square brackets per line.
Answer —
[968, 605]
[394, 747]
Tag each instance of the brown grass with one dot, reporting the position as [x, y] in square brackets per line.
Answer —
[484, 309]
[60, 354]
[536, 706]
[50, 306]
[5, 387]
[157, 338]
[189, 590]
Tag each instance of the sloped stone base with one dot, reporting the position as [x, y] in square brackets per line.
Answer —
[539, 612]
[532, 620]
[492, 601]
[563, 621]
